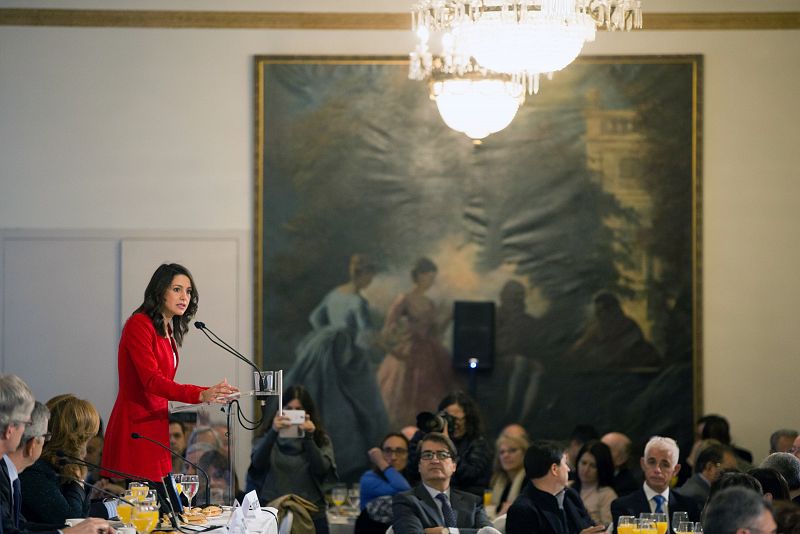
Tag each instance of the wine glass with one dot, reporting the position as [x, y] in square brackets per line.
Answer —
[685, 527]
[647, 525]
[354, 497]
[626, 524]
[190, 484]
[677, 519]
[339, 495]
[145, 517]
[138, 489]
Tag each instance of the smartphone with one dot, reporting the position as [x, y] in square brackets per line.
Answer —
[296, 419]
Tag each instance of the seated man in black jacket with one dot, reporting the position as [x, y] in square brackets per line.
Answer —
[660, 464]
[547, 505]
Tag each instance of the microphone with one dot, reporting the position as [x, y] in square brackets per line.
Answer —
[136, 435]
[258, 377]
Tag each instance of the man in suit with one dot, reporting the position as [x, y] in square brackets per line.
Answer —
[28, 451]
[660, 464]
[16, 405]
[433, 507]
[625, 481]
[711, 462]
[738, 510]
[546, 505]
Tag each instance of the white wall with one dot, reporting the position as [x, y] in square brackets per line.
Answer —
[137, 130]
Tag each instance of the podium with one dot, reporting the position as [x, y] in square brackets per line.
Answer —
[220, 421]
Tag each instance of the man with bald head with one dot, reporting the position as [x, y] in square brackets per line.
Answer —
[625, 481]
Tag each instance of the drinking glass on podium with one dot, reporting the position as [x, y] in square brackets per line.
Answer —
[125, 510]
[145, 517]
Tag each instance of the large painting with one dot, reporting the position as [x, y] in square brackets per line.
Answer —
[580, 222]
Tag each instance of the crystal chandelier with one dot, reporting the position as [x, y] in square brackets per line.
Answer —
[520, 39]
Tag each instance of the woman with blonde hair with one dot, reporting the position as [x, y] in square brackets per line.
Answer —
[55, 492]
[509, 471]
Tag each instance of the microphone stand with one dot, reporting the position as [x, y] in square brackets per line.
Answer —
[136, 435]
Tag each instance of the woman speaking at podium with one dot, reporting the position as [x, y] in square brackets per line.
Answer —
[147, 362]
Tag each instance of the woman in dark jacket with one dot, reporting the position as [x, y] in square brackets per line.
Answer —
[474, 452]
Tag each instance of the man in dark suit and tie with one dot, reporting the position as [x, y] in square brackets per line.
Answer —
[659, 464]
[547, 505]
[433, 507]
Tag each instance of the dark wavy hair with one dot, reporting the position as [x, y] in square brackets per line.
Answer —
[300, 393]
[472, 417]
[602, 458]
[154, 299]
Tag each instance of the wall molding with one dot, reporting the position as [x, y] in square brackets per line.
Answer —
[235, 20]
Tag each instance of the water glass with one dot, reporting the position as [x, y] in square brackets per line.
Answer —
[677, 519]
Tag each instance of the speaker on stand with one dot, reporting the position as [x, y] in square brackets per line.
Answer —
[473, 339]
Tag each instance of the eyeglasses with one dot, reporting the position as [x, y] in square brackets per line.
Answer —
[440, 455]
[397, 452]
[20, 422]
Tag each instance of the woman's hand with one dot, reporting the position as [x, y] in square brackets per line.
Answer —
[217, 393]
[376, 456]
[280, 422]
[308, 425]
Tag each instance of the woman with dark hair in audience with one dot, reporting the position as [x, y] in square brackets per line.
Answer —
[380, 483]
[772, 482]
[55, 492]
[595, 480]
[146, 364]
[302, 466]
[474, 454]
[509, 472]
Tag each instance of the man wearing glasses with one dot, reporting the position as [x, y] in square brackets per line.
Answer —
[16, 407]
[27, 452]
[433, 507]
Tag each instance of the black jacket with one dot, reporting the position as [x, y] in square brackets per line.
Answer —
[537, 512]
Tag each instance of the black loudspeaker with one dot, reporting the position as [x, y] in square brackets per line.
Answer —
[473, 335]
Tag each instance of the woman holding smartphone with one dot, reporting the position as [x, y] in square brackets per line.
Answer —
[295, 458]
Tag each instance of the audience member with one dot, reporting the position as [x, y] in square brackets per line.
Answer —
[773, 484]
[660, 464]
[177, 442]
[509, 472]
[547, 505]
[580, 435]
[796, 447]
[782, 440]
[738, 511]
[621, 448]
[434, 506]
[787, 465]
[593, 483]
[787, 516]
[707, 468]
[381, 483]
[16, 406]
[281, 465]
[55, 492]
[734, 478]
[716, 427]
[223, 489]
[474, 454]
[27, 452]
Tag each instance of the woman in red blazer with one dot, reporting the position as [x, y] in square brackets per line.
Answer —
[147, 361]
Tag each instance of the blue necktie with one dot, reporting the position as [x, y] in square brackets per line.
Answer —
[659, 503]
[447, 511]
[17, 501]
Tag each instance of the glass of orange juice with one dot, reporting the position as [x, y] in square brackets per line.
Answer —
[145, 518]
[124, 510]
[626, 524]
[647, 526]
[661, 523]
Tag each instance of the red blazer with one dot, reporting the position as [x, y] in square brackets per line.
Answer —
[146, 371]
